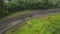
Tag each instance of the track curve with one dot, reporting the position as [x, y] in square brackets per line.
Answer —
[5, 25]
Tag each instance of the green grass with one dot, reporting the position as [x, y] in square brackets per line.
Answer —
[49, 24]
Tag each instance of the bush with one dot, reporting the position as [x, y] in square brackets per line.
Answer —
[17, 5]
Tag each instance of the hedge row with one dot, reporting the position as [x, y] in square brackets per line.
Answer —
[16, 5]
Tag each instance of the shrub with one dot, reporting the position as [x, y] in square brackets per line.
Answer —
[17, 5]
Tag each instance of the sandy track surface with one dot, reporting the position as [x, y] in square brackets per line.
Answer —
[5, 25]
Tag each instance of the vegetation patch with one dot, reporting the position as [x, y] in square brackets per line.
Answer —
[12, 6]
[14, 15]
[49, 24]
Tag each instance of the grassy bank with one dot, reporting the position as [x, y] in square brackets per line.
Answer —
[14, 15]
[49, 24]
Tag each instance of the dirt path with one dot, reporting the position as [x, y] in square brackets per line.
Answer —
[5, 25]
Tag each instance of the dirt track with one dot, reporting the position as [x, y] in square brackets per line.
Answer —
[5, 25]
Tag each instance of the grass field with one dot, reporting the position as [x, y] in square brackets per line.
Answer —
[48, 24]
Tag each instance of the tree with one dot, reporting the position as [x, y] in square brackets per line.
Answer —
[1, 3]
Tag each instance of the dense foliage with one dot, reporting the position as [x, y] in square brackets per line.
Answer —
[16, 5]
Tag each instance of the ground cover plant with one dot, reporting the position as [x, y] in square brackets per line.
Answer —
[12, 6]
[48, 24]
